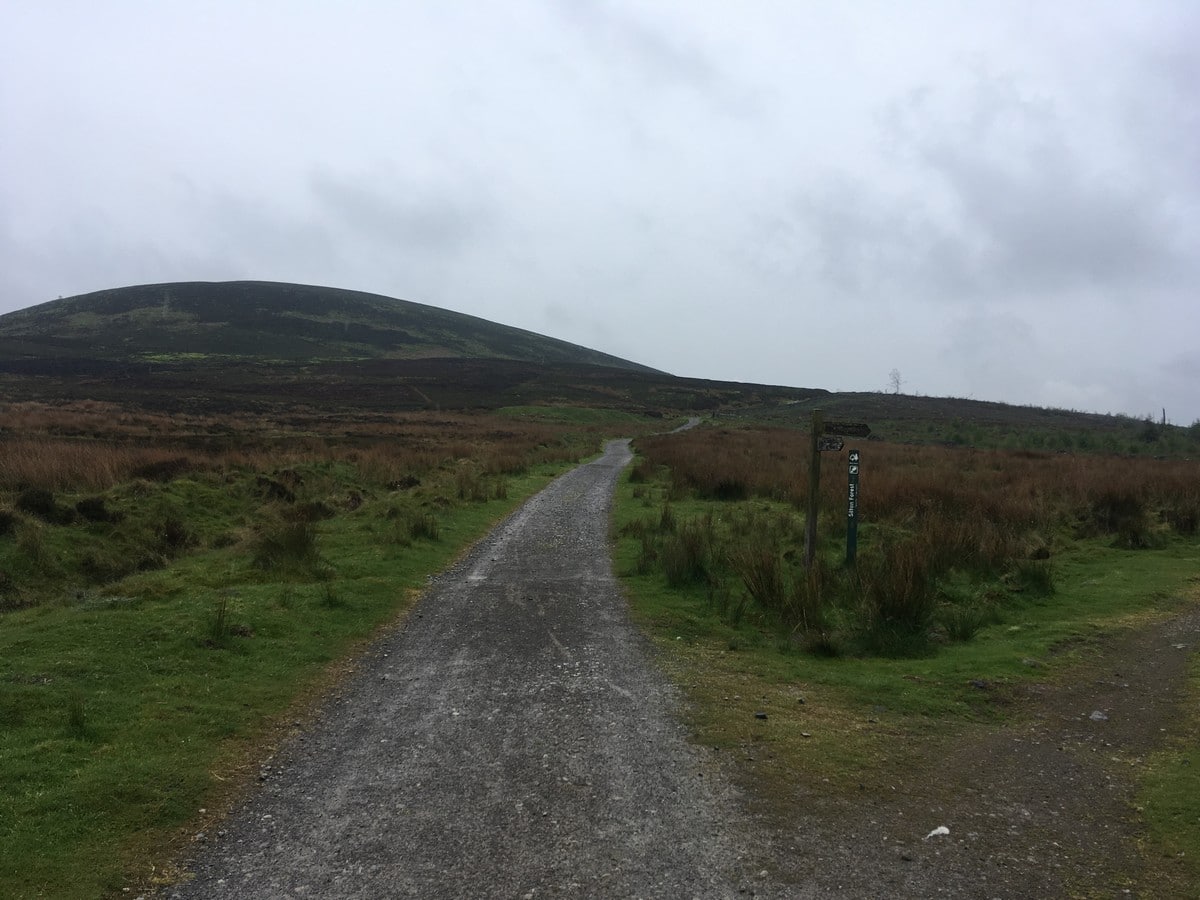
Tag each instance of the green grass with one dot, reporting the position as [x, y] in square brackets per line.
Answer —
[733, 665]
[1170, 791]
[126, 709]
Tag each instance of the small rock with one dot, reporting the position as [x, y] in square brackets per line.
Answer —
[940, 831]
[760, 715]
[1098, 716]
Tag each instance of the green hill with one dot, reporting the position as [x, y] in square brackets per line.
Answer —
[267, 322]
[258, 346]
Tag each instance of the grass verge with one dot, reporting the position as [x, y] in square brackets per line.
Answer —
[838, 720]
[130, 712]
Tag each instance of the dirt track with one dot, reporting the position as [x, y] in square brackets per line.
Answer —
[512, 740]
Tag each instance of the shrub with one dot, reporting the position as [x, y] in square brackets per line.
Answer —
[31, 542]
[286, 546]
[729, 489]
[685, 554]
[270, 489]
[94, 509]
[40, 502]
[410, 525]
[1033, 576]
[961, 621]
[761, 572]
[404, 483]
[173, 536]
[666, 521]
[897, 599]
[647, 554]
[313, 511]
[469, 483]
[730, 609]
[642, 471]
[1183, 515]
[163, 469]
[805, 609]
[1121, 512]
[103, 568]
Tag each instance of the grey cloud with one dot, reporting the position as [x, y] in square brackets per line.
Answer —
[661, 58]
[410, 216]
[996, 354]
[990, 202]
[1185, 367]
[83, 255]
[1043, 221]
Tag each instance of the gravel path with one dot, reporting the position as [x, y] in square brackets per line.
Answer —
[512, 740]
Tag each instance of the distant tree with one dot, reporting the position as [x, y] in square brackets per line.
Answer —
[895, 381]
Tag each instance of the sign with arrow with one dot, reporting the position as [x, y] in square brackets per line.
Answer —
[826, 442]
[849, 429]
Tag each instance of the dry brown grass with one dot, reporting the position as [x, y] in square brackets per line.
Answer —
[903, 484]
[932, 511]
[92, 446]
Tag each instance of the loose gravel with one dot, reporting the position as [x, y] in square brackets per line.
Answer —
[512, 739]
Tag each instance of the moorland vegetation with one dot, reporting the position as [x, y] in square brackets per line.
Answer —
[174, 588]
[981, 575]
[949, 536]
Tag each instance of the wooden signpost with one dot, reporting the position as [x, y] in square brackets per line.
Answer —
[849, 429]
[826, 436]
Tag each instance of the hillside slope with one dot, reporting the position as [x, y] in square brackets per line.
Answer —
[267, 322]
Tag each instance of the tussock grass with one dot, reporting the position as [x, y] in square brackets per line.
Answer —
[929, 512]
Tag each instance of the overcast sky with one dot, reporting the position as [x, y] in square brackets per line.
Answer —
[1001, 200]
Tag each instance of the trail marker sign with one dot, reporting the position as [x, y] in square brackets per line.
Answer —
[849, 429]
[852, 510]
[827, 442]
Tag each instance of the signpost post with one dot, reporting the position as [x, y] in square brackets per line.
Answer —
[814, 488]
[826, 436]
[852, 510]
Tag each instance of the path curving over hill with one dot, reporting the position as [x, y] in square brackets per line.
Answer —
[512, 740]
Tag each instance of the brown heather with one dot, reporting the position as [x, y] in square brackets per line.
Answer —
[925, 512]
[93, 446]
[905, 484]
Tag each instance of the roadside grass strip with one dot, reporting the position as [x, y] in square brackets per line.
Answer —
[132, 712]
